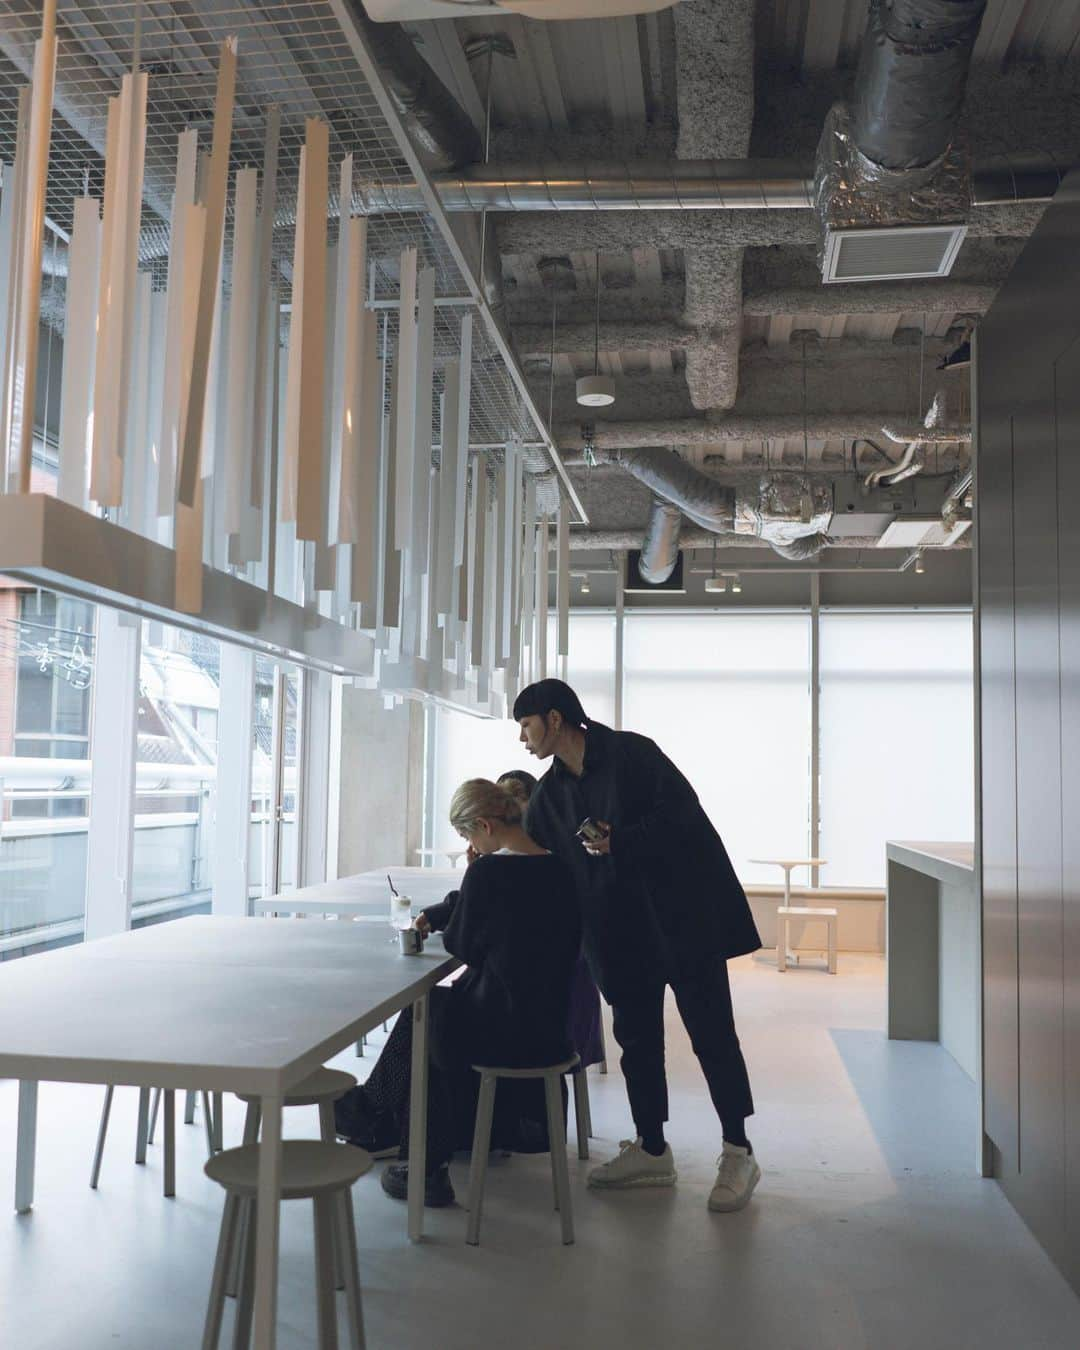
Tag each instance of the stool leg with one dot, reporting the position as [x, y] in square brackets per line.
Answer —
[226, 1243]
[485, 1110]
[251, 1136]
[155, 1102]
[325, 1210]
[218, 1100]
[142, 1129]
[559, 1169]
[169, 1109]
[781, 942]
[245, 1298]
[350, 1260]
[189, 1106]
[328, 1132]
[581, 1111]
[603, 1044]
[833, 924]
[106, 1107]
[208, 1120]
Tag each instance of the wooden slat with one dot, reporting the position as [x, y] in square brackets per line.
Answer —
[174, 383]
[310, 504]
[77, 383]
[214, 201]
[240, 390]
[405, 382]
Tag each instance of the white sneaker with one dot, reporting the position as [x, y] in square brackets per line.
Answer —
[735, 1181]
[635, 1167]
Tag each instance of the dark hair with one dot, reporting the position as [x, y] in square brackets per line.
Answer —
[519, 783]
[537, 700]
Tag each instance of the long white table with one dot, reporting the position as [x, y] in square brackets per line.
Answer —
[229, 1005]
[366, 893]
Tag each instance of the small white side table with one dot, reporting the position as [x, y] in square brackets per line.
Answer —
[452, 853]
[786, 912]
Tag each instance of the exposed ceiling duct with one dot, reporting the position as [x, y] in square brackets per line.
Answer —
[612, 436]
[660, 547]
[436, 124]
[680, 185]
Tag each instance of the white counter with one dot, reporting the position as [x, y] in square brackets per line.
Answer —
[932, 947]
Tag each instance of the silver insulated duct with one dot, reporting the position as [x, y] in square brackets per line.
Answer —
[660, 547]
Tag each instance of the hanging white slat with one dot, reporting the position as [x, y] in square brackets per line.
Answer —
[16, 191]
[505, 567]
[240, 389]
[291, 434]
[464, 404]
[355, 425]
[433, 635]
[543, 581]
[425, 358]
[390, 617]
[80, 327]
[325, 557]
[105, 464]
[188, 472]
[266, 325]
[449, 491]
[310, 502]
[514, 654]
[33, 208]
[187, 520]
[180, 284]
[478, 606]
[563, 583]
[491, 604]
[528, 580]
[137, 454]
[464, 599]
[156, 362]
[8, 258]
[405, 400]
[344, 312]
[363, 459]
[129, 259]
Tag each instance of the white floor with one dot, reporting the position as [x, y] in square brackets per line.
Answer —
[869, 1229]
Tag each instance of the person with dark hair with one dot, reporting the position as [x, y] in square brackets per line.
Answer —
[520, 783]
[661, 906]
[509, 1006]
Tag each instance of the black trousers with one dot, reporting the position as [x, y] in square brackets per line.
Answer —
[703, 995]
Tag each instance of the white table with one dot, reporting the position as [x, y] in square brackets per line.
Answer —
[366, 893]
[228, 1005]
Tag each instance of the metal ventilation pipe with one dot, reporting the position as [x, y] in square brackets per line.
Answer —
[910, 81]
[436, 124]
[687, 185]
[660, 547]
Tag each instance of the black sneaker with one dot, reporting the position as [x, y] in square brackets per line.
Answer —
[438, 1190]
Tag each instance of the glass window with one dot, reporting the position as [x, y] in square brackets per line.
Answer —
[272, 849]
[590, 664]
[897, 737]
[46, 700]
[726, 697]
[179, 696]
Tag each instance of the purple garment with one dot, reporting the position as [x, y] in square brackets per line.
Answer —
[586, 1031]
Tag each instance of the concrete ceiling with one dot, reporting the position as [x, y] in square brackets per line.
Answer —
[719, 319]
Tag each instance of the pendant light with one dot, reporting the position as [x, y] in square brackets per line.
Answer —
[596, 390]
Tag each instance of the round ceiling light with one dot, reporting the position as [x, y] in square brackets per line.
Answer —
[596, 391]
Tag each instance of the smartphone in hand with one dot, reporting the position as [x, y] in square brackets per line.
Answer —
[591, 831]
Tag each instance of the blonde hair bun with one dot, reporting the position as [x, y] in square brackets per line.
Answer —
[479, 799]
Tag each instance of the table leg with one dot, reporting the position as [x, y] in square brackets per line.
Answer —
[418, 1093]
[267, 1216]
[26, 1146]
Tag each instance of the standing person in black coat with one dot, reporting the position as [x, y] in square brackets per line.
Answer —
[661, 905]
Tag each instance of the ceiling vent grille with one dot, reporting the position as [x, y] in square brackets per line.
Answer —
[891, 254]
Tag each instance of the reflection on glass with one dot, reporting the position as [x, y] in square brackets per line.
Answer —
[176, 772]
[46, 698]
[272, 851]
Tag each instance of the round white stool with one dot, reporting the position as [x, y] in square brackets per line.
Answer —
[322, 1089]
[552, 1074]
[310, 1170]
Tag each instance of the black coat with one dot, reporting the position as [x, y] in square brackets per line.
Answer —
[516, 923]
[668, 892]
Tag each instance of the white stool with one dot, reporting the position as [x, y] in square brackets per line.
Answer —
[552, 1075]
[145, 1132]
[786, 912]
[322, 1089]
[310, 1170]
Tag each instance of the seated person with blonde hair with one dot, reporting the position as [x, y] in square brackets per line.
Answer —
[508, 1008]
